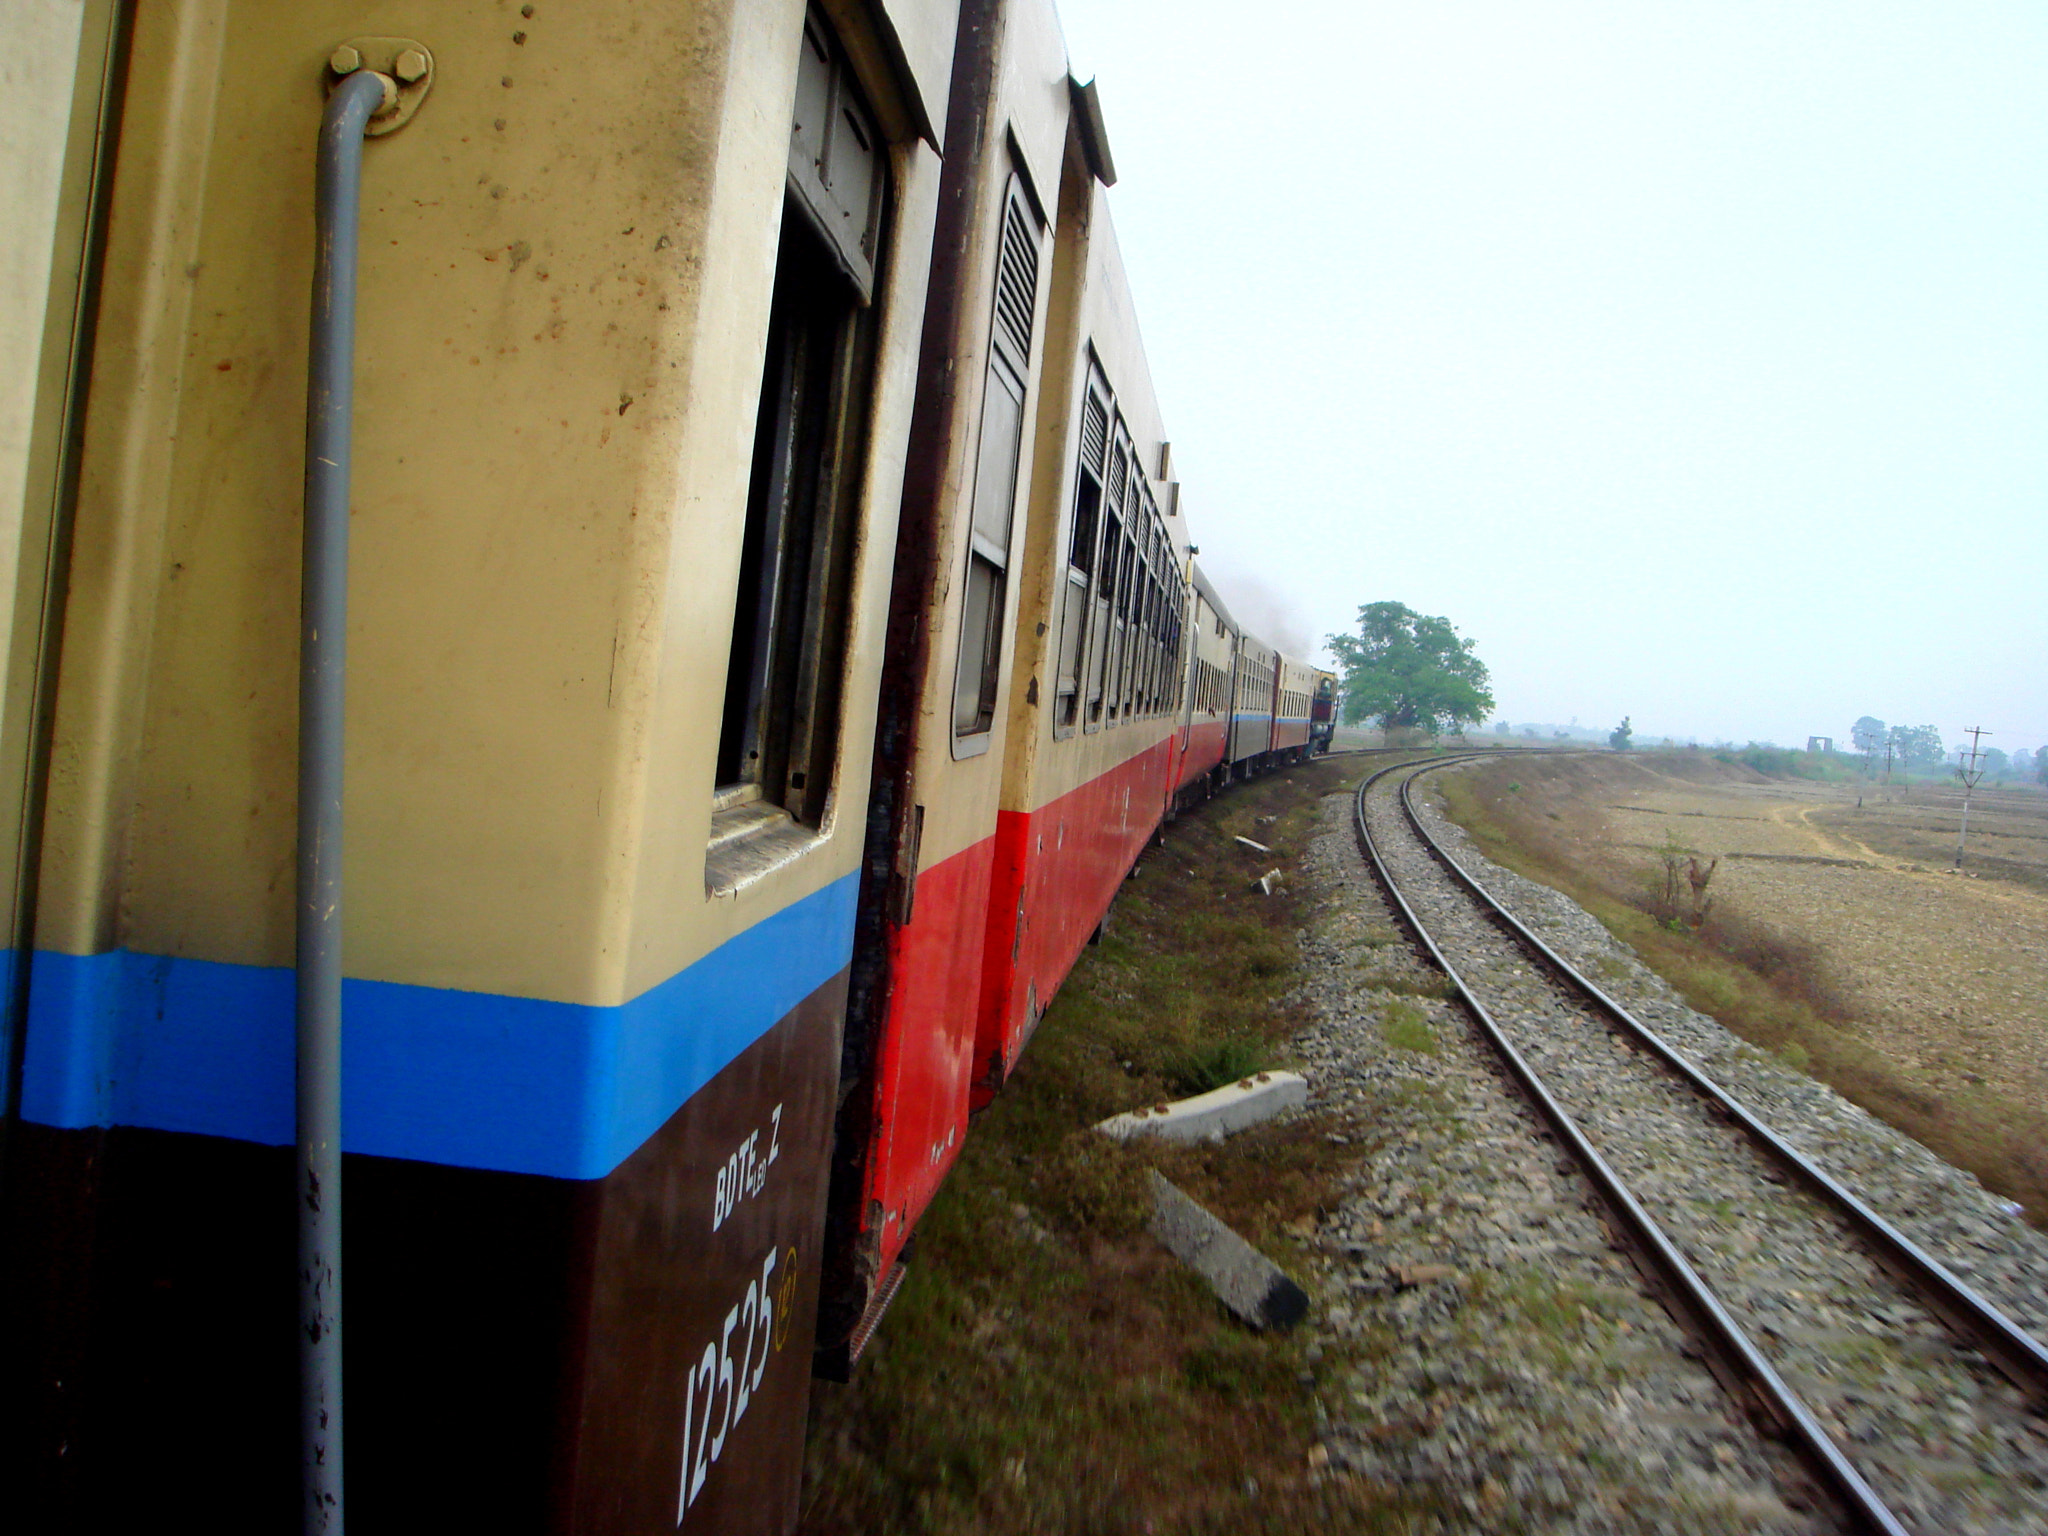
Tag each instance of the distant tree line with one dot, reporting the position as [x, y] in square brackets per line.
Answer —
[1408, 670]
[1912, 749]
[2022, 765]
[1921, 747]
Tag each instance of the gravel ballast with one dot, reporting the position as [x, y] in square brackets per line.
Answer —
[1510, 1361]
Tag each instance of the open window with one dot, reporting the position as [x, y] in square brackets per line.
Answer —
[780, 731]
[1121, 610]
[1103, 648]
[1082, 553]
[1141, 615]
[979, 674]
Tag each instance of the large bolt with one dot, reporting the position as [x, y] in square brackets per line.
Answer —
[345, 60]
[411, 66]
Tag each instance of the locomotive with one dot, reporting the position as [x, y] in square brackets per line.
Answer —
[772, 633]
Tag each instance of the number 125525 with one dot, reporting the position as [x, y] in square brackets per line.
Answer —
[720, 1390]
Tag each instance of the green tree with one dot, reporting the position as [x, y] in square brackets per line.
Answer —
[1410, 672]
[1868, 733]
[1618, 737]
[1918, 746]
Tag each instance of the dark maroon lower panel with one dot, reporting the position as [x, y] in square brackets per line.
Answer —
[697, 1379]
[519, 1350]
[150, 1365]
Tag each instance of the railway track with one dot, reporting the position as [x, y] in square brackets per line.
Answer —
[1835, 1332]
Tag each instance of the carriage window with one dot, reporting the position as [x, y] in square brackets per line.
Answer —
[781, 720]
[1103, 633]
[1148, 614]
[995, 471]
[1129, 574]
[1081, 551]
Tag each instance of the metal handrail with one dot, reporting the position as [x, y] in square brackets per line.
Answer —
[323, 623]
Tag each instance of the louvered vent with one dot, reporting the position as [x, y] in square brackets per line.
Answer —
[1017, 282]
[1094, 433]
[1116, 480]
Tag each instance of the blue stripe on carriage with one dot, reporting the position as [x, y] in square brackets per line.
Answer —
[472, 1079]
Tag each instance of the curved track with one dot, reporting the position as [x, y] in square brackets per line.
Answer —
[1595, 1108]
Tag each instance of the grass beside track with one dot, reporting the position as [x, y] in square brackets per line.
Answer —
[1047, 1367]
[1772, 991]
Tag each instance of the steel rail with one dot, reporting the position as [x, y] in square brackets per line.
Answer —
[2017, 1354]
[1738, 1358]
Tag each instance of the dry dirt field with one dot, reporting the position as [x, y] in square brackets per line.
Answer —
[1838, 934]
[1948, 972]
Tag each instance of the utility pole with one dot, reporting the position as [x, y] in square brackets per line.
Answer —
[1969, 772]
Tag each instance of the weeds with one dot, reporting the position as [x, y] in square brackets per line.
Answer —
[1127, 1401]
[1556, 1315]
[1215, 1065]
[1410, 986]
[1233, 1364]
[1407, 1028]
[1669, 902]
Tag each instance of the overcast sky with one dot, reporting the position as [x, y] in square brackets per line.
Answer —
[1691, 358]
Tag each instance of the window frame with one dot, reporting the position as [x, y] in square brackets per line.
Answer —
[1123, 600]
[1083, 557]
[794, 618]
[1009, 370]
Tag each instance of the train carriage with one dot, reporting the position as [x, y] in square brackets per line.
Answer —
[946, 726]
[1294, 692]
[641, 292]
[1205, 715]
[1095, 718]
[1255, 678]
[773, 636]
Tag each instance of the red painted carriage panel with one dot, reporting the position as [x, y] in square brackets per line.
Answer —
[1056, 870]
[1206, 740]
[927, 1054]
